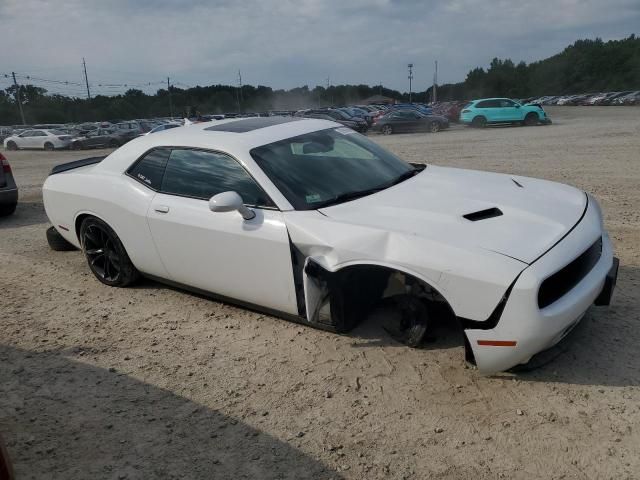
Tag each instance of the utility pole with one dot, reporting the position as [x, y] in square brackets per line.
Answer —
[240, 98]
[170, 103]
[434, 95]
[86, 80]
[410, 79]
[18, 99]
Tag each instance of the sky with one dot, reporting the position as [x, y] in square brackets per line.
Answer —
[287, 43]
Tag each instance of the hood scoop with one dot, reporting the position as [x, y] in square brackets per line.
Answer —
[483, 214]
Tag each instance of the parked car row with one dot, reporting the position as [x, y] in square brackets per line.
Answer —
[629, 97]
[80, 136]
[385, 119]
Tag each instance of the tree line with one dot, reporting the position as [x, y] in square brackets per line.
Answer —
[585, 66]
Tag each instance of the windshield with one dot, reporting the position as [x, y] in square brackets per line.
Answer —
[330, 166]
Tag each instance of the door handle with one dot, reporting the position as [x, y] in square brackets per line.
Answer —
[161, 209]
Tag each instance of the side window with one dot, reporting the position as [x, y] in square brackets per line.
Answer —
[507, 103]
[150, 168]
[198, 174]
[39, 133]
[482, 104]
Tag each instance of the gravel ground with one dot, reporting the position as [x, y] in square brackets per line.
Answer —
[152, 382]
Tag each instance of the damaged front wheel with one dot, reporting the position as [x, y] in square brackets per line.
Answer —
[409, 321]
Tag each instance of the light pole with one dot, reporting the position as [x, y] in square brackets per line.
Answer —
[410, 78]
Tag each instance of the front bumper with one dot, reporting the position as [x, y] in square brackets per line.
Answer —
[524, 328]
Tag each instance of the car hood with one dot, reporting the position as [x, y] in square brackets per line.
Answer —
[523, 217]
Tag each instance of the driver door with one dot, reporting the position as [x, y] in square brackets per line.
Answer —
[509, 112]
[221, 252]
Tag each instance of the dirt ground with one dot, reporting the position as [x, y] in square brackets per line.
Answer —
[152, 382]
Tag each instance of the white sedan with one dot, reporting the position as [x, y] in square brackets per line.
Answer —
[40, 139]
[313, 222]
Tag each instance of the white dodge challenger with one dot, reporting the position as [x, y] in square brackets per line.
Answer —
[310, 221]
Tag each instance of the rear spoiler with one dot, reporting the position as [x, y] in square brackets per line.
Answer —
[63, 167]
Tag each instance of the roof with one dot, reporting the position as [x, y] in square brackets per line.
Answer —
[233, 136]
[244, 125]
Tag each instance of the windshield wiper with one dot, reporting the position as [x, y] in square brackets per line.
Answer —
[404, 176]
[343, 197]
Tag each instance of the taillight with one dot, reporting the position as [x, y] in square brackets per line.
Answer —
[6, 168]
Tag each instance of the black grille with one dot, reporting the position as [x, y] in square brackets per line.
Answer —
[564, 280]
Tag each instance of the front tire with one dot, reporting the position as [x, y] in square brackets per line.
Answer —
[48, 146]
[531, 119]
[12, 145]
[479, 122]
[386, 129]
[106, 256]
[434, 127]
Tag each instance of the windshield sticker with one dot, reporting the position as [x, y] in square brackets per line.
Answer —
[345, 131]
[313, 198]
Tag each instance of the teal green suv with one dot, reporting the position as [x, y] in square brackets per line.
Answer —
[479, 113]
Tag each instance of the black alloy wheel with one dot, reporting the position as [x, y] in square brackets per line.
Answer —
[105, 254]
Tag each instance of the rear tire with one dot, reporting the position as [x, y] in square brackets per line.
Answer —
[531, 119]
[57, 242]
[6, 210]
[386, 129]
[479, 122]
[434, 127]
[48, 146]
[12, 146]
[106, 256]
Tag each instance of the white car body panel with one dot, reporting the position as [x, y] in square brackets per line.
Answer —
[536, 329]
[247, 260]
[416, 227]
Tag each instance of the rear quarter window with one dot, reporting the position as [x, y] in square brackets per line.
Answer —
[149, 170]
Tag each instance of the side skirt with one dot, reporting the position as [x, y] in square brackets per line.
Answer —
[239, 303]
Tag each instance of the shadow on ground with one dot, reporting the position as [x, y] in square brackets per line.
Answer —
[26, 214]
[65, 419]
